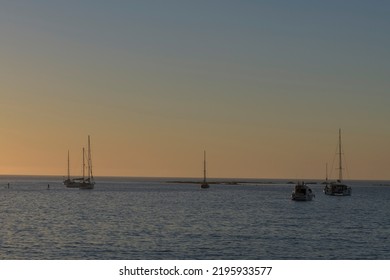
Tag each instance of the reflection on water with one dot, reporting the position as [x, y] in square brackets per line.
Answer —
[151, 219]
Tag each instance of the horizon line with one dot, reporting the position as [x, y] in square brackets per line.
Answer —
[195, 177]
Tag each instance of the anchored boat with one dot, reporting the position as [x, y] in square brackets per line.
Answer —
[85, 182]
[302, 192]
[338, 188]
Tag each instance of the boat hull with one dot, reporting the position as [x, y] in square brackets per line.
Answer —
[79, 185]
[70, 184]
[87, 186]
[302, 193]
[298, 197]
[337, 190]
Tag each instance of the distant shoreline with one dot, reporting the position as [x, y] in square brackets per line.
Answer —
[239, 182]
[194, 180]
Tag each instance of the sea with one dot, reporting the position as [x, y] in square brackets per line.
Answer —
[174, 219]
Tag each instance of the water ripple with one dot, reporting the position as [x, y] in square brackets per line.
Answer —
[154, 220]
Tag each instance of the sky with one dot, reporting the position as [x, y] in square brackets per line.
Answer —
[262, 86]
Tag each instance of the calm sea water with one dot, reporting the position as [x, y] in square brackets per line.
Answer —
[152, 219]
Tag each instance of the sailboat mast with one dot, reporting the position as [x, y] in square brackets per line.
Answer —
[326, 173]
[83, 164]
[89, 159]
[204, 166]
[68, 167]
[340, 161]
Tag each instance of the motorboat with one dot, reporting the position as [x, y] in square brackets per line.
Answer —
[302, 192]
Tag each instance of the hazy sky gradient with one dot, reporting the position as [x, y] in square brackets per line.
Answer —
[263, 86]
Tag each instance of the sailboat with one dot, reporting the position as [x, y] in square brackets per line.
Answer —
[85, 182]
[338, 188]
[204, 185]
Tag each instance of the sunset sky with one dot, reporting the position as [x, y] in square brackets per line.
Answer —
[263, 86]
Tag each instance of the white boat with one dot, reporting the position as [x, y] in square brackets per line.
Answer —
[338, 188]
[204, 185]
[302, 192]
[85, 182]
